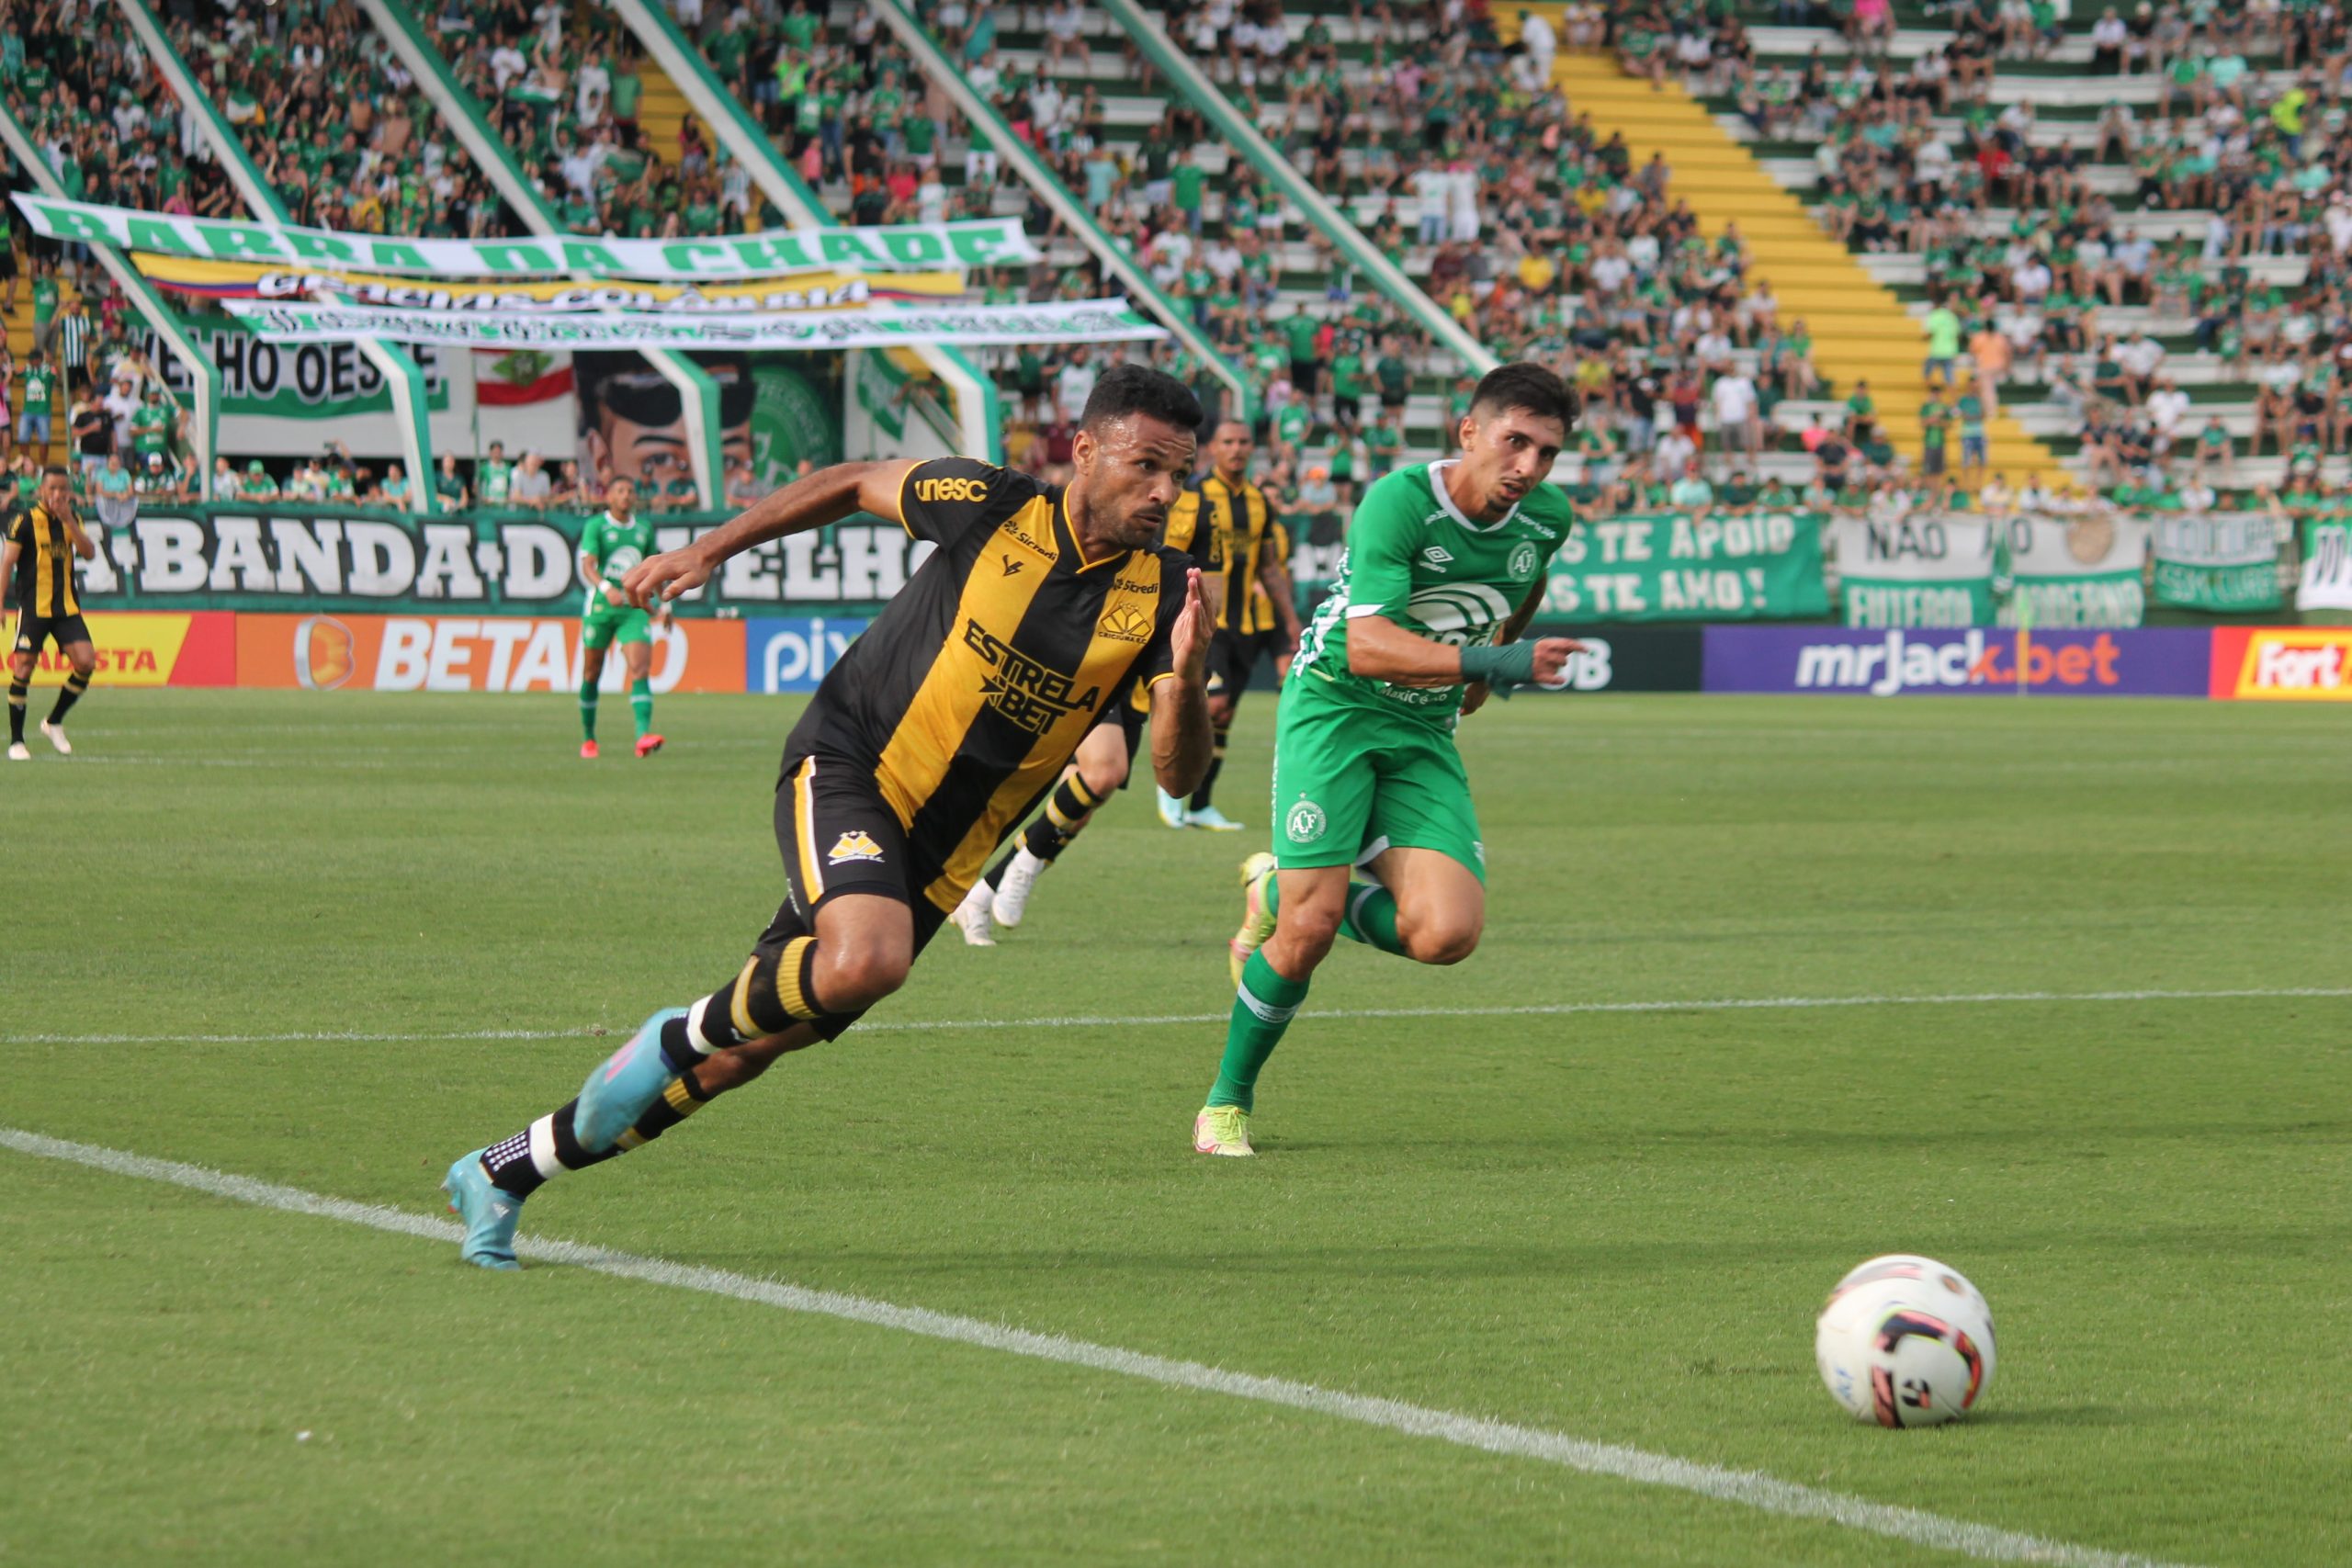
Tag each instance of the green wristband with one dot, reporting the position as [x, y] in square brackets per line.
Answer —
[1504, 668]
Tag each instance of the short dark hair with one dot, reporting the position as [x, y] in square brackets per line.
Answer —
[57, 471]
[1525, 386]
[1132, 388]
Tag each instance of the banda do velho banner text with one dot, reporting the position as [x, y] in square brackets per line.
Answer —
[1083, 320]
[970, 242]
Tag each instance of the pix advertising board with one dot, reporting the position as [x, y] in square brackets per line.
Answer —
[794, 655]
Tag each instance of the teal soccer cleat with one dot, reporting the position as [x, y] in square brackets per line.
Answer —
[623, 1086]
[1216, 821]
[489, 1212]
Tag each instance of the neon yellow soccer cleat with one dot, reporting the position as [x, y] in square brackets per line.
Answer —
[1222, 1130]
[1257, 919]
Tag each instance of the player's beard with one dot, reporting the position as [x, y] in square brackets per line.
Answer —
[1137, 529]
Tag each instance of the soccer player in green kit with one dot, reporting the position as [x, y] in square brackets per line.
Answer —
[1445, 567]
[610, 547]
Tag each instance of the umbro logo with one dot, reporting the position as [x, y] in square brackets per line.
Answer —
[1011, 566]
[1437, 555]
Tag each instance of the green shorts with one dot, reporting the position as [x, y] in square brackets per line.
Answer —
[603, 624]
[1352, 780]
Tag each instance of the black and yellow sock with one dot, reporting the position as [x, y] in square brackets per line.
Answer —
[588, 710]
[75, 685]
[521, 1165]
[1052, 830]
[18, 690]
[1200, 801]
[775, 991]
[640, 704]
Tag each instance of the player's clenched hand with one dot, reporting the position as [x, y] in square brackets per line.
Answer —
[664, 577]
[1188, 642]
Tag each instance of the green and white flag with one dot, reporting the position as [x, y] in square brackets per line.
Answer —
[2081, 570]
[1928, 569]
[1678, 568]
[2217, 560]
[2327, 565]
[968, 242]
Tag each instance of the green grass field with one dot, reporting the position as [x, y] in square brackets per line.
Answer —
[1614, 1225]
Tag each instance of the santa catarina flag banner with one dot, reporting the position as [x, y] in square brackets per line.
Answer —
[872, 326]
[2077, 570]
[1931, 569]
[968, 242]
[2326, 582]
[2217, 560]
[825, 289]
[1675, 566]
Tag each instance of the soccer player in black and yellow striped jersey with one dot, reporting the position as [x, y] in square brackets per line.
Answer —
[1105, 758]
[1258, 616]
[43, 542]
[1041, 608]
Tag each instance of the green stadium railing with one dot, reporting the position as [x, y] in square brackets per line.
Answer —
[401, 375]
[984, 118]
[1335, 225]
[697, 389]
[979, 408]
[143, 297]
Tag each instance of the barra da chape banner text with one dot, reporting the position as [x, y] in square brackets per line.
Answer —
[2217, 560]
[970, 242]
[1081, 321]
[1680, 568]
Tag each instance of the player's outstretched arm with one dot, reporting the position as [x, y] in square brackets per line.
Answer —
[822, 497]
[1183, 739]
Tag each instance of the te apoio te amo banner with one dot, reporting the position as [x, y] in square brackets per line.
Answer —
[1680, 568]
[461, 653]
[970, 243]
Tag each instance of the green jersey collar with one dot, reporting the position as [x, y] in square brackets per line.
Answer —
[1445, 498]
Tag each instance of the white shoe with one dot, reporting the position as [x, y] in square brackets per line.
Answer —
[1013, 893]
[971, 917]
[19, 752]
[56, 733]
[1174, 812]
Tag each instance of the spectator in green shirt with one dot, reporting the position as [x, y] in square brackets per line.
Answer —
[1944, 344]
[1299, 329]
[1187, 183]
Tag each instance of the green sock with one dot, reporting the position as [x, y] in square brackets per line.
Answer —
[588, 710]
[640, 703]
[1371, 916]
[1261, 1010]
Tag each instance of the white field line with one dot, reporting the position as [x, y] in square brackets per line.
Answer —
[1749, 1488]
[1100, 1021]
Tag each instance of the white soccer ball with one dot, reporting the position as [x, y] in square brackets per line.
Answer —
[1905, 1341]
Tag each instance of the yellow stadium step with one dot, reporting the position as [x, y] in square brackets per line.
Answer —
[1860, 329]
[663, 111]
